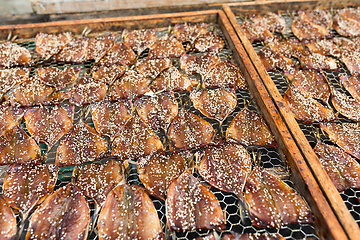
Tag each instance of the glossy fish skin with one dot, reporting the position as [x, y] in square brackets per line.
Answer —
[226, 167]
[110, 117]
[306, 30]
[58, 78]
[273, 203]
[10, 78]
[249, 129]
[255, 32]
[8, 227]
[152, 67]
[346, 27]
[26, 186]
[214, 103]
[12, 55]
[171, 79]
[48, 45]
[322, 18]
[188, 32]
[17, 147]
[119, 54]
[130, 85]
[99, 46]
[188, 131]
[9, 117]
[140, 40]
[85, 91]
[158, 172]
[274, 22]
[307, 109]
[191, 206]
[316, 61]
[81, 144]
[252, 236]
[272, 60]
[350, 55]
[345, 135]
[64, 214]
[342, 169]
[287, 47]
[129, 213]
[225, 74]
[74, 52]
[348, 107]
[324, 47]
[49, 124]
[166, 47]
[109, 74]
[136, 140]
[97, 180]
[198, 64]
[352, 85]
[157, 111]
[208, 42]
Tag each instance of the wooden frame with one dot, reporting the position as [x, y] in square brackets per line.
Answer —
[336, 202]
[326, 222]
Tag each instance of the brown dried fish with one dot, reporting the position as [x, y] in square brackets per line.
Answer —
[81, 144]
[215, 103]
[157, 111]
[166, 47]
[129, 213]
[306, 30]
[12, 55]
[198, 64]
[189, 32]
[316, 61]
[17, 147]
[48, 45]
[136, 140]
[64, 214]
[249, 129]
[99, 46]
[58, 78]
[97, 180]
[26, 186]
[287, 47]
[152, 67]
[348, 107]
[272, 202]
[255, 32]
[350, 55]
[140, 40]
[208, 42]
[274, 22]
[49, 124]
[119, 54]
[346, 27]
[109, 74]
[226, 167]
[158, 172]
[345, 135]
[319, 17]
[324, 47]
[252, 236]
[225, 74]
[75, 51]
[352, 85]
[171, 79]
[350, 13]
[191, 206]
[342, 169]
[10, 78]
[110, 117]
[9, 117]
[272, 60]
[188, 131]
[8, 227]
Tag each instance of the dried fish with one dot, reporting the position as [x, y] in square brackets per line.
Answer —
[12, 55]
[208, 42]
[272, 61]
[274, 22]
[306, 30]
[10, 78]
[109, 74]
[171, 79]
[48, 45]
[189, 32]
[9, 117]
[255, 32]
[119, 54]
[346, 27]
[319, 17]
[58, 78]
[8, 227]
[350, 13]
[152, 67]
[99, 46]
[348, 107]
[140, 40]
[352, 85]
[75, 51]
[316, 61]
[166, 47]
[287, 47]
[199, 64]
[324, 47]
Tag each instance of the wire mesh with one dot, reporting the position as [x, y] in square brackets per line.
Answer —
[237, 218]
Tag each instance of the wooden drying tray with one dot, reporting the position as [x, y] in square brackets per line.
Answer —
[345, 218]
[326, 223]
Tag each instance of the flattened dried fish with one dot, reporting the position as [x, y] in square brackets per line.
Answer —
[17, 147]
[152, 67]
[324, 47]
[345, 135]
[136, 140]
[9, 78]
[352, 85]
[342, 169]
[255, 32]
[12, 55]
[322, 18]
[208, 42]
[49, 124]
[225, 74]
[273, 203]
[273, 61]
[140, 40]
[130, 85]
[64, 214]
[215, 103]
[249, 129]
[166, 47]
[226, 167]
[129, 213]
[26, 186]
[8, 227]
[274, 22]
[97, 180]
[306, 30]
[86, 90]
[48, 45]
[99, 46]
[348, 107]
[109, 74]
[191, 206]
[188, 32]
[171, 79]
[110, 117]
[120, 54]
[350, 55]
[287, 47]
[316, 61]
[158, 172]
[81, 144]
[189, 131]
[346, 27]
[307, 109]
[350, 13]
[198, 64]
[157, 111]
[58, 78]
[75, 51]
[9, 117]
[252, 236]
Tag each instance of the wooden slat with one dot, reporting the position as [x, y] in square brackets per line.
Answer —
[350, 226]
